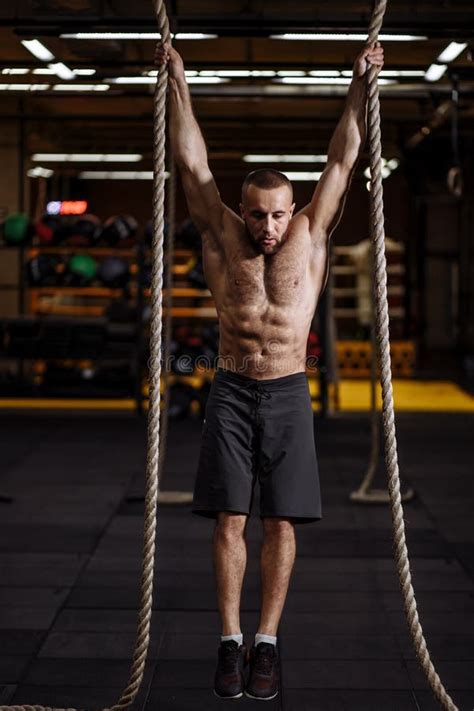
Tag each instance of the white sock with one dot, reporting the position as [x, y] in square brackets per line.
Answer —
[239, 638]
[265, 638]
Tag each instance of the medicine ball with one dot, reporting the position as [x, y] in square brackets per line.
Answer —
[114, 272]
[46, 229]
[44, 270]
[120, 231]
[81, 270]
[17, 229]
[85, 231]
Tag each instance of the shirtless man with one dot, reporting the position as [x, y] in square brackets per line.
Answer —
[266, 270]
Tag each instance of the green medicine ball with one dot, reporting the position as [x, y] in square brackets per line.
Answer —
[16, 229]
[82, 269]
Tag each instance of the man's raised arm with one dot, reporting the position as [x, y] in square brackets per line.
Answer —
[189, 150]
[325, 209]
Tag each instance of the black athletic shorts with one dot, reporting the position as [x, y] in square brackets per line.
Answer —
[258, 429]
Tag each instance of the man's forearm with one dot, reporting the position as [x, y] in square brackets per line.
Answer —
[189, 148]
[349, 137]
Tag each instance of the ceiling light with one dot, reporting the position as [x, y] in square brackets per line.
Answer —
[302, 175]
[118, 175]
[84, 72]
[87, 157]
[312, 80]
[325, 73]
[401, 73]
[392, 73]
[237, 73]
[291, 73]
[435, 72]
[206, 80]
[39, 172]
[393, 163]
[273, 158]
[62, 71]
[15, 70]
[81, 87]
[324, 80]
[452, 51]
[193, 36]
[134, 36]
[112, 35]
[38, 50]
[345, 37]
[131, 80]
[24, 87]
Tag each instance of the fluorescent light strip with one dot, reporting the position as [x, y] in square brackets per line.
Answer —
[393, 73]
[62, 71]
[39, 172]
[193, 36]
[15, 70]
[274, 158]
[135, 36]
[118, 175]
[24, 87]
[291, 73]
[324, 73]
[38, 50]
[237, 73]
[452, 51]
[152, 80]
[81, 87]
[324, 80]
[302, 175]
[435, 72]
[131, 80]
[78, 72]
[86, 157]
[346, 37]
[154, 73]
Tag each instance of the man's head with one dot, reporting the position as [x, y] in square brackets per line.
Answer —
[267, 207]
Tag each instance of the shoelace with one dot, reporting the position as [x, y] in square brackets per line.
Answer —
[228, 657]
[264, 658]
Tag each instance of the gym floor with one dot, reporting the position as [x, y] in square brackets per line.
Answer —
[70, 550]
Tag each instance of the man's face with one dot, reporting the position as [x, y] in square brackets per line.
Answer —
[266, 214]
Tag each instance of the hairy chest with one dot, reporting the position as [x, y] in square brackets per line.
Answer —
[282, 278]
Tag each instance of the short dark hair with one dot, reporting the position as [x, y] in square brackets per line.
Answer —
[267, 179]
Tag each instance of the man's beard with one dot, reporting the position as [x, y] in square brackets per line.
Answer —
[260, 247]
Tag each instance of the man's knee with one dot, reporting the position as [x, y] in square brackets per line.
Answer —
[278, 526]
[230, 525]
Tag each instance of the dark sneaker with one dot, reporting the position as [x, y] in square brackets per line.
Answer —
[264, 674]
[231, 661]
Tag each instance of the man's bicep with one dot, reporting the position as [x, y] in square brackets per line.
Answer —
[203, 199]
[325, 208]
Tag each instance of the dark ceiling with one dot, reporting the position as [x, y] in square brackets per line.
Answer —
[244, 115]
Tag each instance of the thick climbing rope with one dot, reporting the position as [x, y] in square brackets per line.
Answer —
[143, 633]
[382, 322]
[168, 265]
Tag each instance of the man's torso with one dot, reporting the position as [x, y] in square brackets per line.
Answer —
[265, 304]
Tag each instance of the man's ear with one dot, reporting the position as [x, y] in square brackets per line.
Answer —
[242, 211]
[292, 209]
